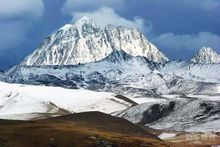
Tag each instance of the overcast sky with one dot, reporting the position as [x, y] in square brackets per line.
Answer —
[177, 27]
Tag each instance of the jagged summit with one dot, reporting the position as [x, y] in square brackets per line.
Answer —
[84, 42]
[79, 23]
[83, 20]
[206, 55]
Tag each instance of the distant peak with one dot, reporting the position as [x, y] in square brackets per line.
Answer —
[206, 49]
[206, 55]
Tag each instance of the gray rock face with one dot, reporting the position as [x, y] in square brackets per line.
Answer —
[185, 114]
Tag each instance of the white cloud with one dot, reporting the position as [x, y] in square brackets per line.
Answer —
[105, 16]
[16, 17]
[103, 13]
[188, 41]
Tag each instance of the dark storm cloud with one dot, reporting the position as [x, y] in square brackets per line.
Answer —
[179, 16]
[15, 20]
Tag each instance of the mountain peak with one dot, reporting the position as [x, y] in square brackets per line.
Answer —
[84, 20]
[206, 49]
[85, 42]
[79, 23]
[206, 55]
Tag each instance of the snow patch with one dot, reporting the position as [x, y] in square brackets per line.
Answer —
[166, 135]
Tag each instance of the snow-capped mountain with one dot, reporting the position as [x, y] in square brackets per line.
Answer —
[206, 55]
[85, 42]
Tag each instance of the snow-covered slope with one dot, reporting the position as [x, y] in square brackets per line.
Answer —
[119, 78]
[207, 73]
[134, 43]
[131, 76]
[206, 55]
[177, 113]
[85, 42]
[17, 99]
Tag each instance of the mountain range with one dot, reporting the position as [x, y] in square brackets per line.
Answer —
[115, 70]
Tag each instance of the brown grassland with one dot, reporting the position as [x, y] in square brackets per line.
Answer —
[90, 129]
[76, 130]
